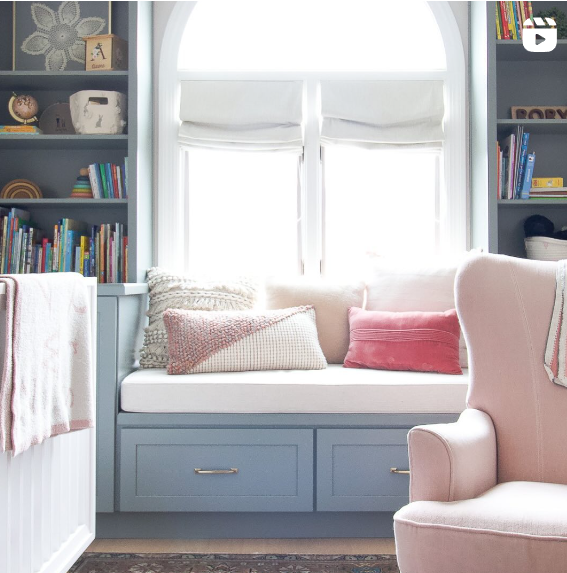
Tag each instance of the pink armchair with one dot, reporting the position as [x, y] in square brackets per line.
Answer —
[488, 493]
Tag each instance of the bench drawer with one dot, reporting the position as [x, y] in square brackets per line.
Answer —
[262, 470]
[353, 470]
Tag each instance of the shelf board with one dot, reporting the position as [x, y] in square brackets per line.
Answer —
[528, 202]
[548, 126]
[63, 202]
[73, 81]
[514, 51]
[39, 141]
[121, 289]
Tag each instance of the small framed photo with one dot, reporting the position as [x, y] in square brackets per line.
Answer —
[49, 35]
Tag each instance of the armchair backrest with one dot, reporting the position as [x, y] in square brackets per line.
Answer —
[505, 306]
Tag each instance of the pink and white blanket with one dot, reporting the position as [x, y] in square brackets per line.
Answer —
[47, 384]
[555, 362]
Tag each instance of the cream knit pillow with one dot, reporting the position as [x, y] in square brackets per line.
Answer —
[168, 290]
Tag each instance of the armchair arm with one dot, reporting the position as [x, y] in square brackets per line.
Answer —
[456, 461]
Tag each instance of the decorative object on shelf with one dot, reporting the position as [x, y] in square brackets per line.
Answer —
[56, 120]
[98, 112]
[547, 182]
[106, 53]
[82, 188]
[539, 112]
[26, 129]
[21, 189]
[560, 20]
[23, 108]
[49, 35]
[542, 242]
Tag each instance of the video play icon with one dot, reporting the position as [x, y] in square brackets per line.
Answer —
[546, 35]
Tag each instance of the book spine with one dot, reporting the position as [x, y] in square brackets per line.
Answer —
[528, 176]
[109, 180]
[114, 181]
[505, 31]
[119, 181]
[523, 15]
[518, 19]
[103, 179]
[510, 20]
[522, 164]
[77, 265]
[94, 182]
[498, 25]
[44, 258]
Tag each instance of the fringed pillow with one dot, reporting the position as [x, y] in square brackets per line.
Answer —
[168, 290]
[240, 341]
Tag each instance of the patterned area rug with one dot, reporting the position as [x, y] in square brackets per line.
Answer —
[223, 563]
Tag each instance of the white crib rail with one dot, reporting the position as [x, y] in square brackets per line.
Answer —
[47, 494]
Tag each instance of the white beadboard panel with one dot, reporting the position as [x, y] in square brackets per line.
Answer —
[47, 495]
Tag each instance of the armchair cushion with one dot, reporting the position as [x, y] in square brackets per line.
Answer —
[455, 461]
[514, 526]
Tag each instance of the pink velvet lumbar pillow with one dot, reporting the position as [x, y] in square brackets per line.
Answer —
[420, 341]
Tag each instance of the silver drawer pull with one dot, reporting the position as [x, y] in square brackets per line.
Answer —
[230, 471]
[397, 471]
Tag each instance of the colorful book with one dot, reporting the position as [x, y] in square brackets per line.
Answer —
[522, 163]
[498, 24]
[528, 176]
[505, 30]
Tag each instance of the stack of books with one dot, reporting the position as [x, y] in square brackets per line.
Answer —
[109, 181]
[510, 17]
[99, 251]
[548, 188]
[515, 166]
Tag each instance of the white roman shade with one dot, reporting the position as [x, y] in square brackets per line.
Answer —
[242, 115]
[383, 114]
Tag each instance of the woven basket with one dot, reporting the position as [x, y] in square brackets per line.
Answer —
[545, 248]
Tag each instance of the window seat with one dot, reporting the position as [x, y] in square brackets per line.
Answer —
[333, 390]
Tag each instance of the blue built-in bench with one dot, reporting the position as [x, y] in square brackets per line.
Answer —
[258, 454]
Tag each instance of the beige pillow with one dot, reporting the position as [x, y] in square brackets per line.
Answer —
[401, 285]
[331, 301]
[169, 290]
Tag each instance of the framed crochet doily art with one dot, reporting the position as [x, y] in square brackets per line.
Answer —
[49, 35]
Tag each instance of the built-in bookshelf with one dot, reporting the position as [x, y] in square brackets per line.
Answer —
[505, 74]
[53, 161]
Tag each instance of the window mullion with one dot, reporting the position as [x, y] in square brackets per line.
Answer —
[312, 212]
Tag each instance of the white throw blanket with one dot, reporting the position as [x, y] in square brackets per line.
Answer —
[47, 385]
[555, 363]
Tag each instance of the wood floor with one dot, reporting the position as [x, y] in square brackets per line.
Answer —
[317, 546]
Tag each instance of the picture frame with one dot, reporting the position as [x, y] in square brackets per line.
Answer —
[48, 36]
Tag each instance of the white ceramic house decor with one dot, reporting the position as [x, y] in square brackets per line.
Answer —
[98, 112]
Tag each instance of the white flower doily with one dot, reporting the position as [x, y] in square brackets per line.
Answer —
[59, 34]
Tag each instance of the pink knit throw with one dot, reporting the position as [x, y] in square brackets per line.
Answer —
[555, 351]
[47, 384]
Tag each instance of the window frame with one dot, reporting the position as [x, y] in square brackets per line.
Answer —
[171, 207]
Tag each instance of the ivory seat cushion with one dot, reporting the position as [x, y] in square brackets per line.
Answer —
[332, 390]
[515, 526]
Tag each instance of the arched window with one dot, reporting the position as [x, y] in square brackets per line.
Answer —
[311, 135]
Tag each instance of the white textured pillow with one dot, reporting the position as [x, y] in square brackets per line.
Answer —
[168, 290]
[331, 300]
[401, 285]
[241, 341]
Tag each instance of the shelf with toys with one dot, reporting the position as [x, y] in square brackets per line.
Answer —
[52, 157]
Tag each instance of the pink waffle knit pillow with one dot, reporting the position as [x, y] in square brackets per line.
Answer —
[237, 341]
[420, 341]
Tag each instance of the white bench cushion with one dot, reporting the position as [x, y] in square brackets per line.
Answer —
[333, 390]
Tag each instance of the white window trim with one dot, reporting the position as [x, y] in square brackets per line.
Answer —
[170, 212]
